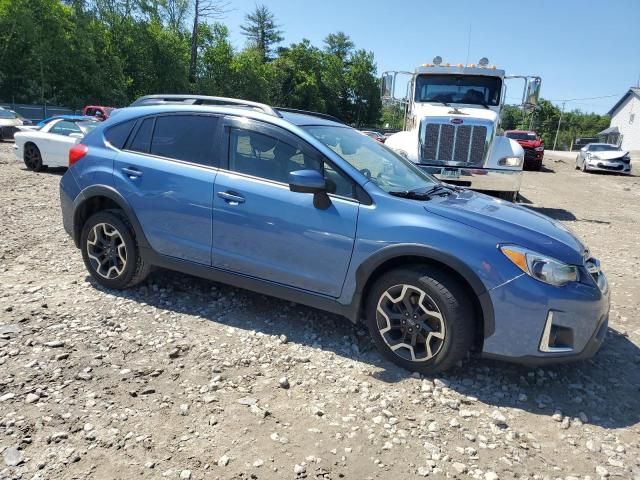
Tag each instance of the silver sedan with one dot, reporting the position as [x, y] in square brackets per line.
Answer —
[603, 157]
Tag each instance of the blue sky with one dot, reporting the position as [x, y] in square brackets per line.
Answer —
[580, 48]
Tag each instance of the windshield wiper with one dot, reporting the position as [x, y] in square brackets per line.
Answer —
[439, 189]
[411, 194]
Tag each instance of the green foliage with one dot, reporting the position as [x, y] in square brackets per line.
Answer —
[544, 121]
[79, 52]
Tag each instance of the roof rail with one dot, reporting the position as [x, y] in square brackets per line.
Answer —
[326, 116]
[188, 99]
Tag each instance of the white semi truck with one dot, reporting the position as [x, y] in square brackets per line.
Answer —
[452, 124]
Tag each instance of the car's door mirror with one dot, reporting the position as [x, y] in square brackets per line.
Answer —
[310, 181]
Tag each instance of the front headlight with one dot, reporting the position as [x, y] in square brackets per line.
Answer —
[539, 149]
[510, 161]
[594, 157]
[543, 268]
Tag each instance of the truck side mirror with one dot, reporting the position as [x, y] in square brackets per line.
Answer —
[532, 93]
[387, 82]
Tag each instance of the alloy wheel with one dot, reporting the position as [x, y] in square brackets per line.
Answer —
[31, 157]
[106, 251]
[410, 323]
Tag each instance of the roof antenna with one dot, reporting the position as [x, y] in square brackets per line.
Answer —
[468, 45]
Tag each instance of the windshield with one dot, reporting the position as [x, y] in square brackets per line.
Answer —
[7, 114]
[521, 135]
[381, 165]
[603, 148]
[470, 89]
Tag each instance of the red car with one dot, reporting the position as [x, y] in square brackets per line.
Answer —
[101, 113]
[533, 147]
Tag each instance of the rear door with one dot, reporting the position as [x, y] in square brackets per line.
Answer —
[264, 230]
[167, 171]
[58, 142]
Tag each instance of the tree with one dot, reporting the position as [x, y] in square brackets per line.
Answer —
[339, 44]
[202, 10]
[262, 31]
[364, 89]
[216, 75]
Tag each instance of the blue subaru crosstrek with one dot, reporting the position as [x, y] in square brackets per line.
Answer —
[299, 206]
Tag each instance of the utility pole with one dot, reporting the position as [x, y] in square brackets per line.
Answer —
[558, 130]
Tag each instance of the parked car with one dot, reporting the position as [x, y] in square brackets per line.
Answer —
[603, 157]
[49, 145]
[72, 118]
[533, 147]
[9, 123]
[375, 135]
[310, 210]
[97, 111]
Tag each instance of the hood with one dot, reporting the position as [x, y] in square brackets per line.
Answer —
[609, 155]
[529, 143]
[510, 223]
[437, 110]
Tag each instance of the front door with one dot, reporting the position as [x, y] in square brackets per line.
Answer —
[262, 229]
[167, 172]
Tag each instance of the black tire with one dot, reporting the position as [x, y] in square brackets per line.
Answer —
[126, 273]
[32, 157]
[444, 295]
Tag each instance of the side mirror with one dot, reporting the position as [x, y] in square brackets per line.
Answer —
[532, 93]
[387, 85]
[310, 181]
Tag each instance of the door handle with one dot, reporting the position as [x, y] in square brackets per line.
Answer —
[132, 172]
[232, 198]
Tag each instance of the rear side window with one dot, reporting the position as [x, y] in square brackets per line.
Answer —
[142, 140]
[185, 137]
[118, 134]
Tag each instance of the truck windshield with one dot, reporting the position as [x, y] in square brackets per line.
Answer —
[470, 89]
[521, 135]
[380, 164]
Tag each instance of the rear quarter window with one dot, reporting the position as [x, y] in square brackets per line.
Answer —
[118, 134]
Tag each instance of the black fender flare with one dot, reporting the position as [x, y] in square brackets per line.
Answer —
[391, 252]
[112, 194]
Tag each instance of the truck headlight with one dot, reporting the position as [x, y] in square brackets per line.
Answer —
[510, 161]
[543, 268]
[539, 149]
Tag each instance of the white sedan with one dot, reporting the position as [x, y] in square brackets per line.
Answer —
[603, 157]
[49, 146]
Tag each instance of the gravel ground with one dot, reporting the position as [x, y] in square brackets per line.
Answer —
[184, 378]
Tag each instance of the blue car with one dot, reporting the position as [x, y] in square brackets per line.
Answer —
[299, 206]
[70, 118]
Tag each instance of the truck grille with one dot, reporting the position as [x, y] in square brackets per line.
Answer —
[443, 142]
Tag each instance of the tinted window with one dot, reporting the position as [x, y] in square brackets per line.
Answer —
[142, 140]
[603, 148]
[185, 137]
[65, 128]
[270, 158]
[266, 157]
[118, 134]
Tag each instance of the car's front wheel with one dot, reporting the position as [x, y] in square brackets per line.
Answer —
[110, 251]
[420, 318]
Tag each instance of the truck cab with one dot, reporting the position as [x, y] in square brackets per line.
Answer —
[452, 124]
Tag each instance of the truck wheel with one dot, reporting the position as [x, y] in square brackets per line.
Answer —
[110, 251]
[420, 318]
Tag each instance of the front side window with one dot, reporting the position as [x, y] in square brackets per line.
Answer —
[185, 137]
[264, 156]
[64, 127]
[381, 165]
[469, 89]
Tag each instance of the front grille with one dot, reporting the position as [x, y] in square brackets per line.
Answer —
[610, 167]
[529, 154]
[464, 144]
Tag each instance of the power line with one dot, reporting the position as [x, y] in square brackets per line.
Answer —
[585, 98]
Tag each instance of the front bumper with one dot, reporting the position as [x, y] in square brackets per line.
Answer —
[536, 323]
[484, 179]
[609, 166]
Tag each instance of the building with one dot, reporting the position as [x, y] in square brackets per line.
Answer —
[624, 129]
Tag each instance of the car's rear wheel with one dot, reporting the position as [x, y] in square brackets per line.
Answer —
[110, 251]
[420, 318]
[32, 157]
